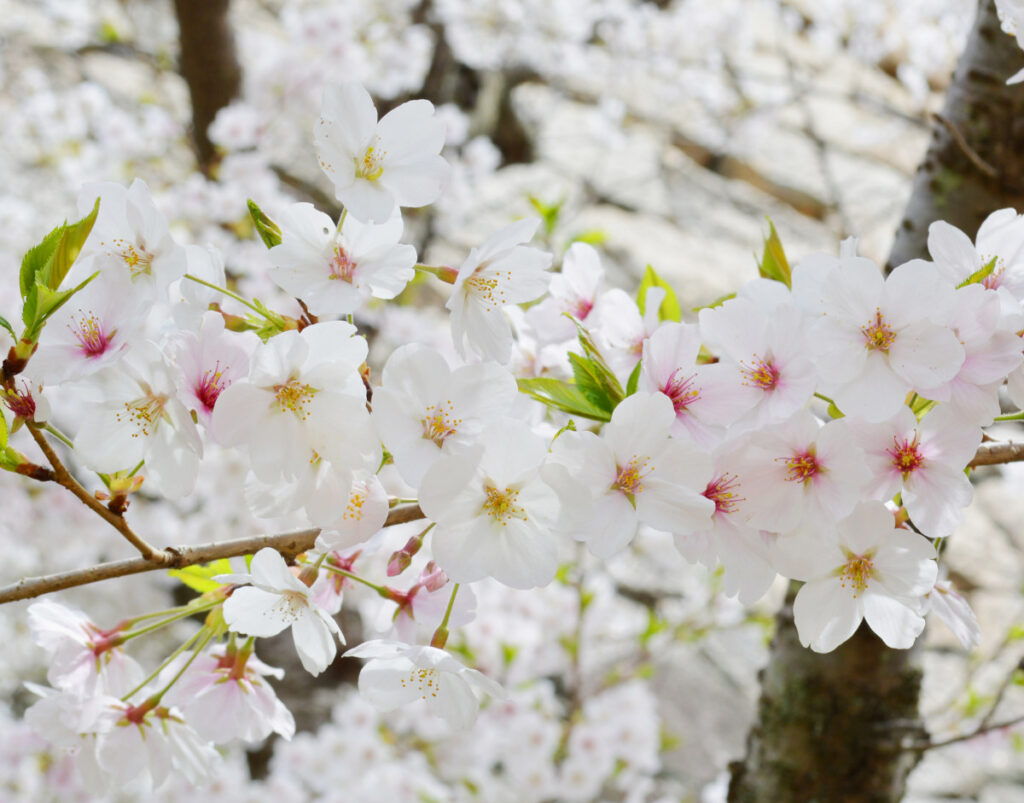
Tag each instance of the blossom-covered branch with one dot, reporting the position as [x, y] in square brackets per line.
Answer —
[288, 544]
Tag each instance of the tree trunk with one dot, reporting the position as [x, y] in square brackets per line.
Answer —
[833, 728]
[209, 65]
[975, 161]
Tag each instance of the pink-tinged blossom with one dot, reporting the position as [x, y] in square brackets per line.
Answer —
[730, 540]
[82, 657]
[335, 272]
[870, 571]
[494, 514]
[633, 474]
[706, 398]
[422, 607]
[225, 694]
[363, 515]
[992, 350]
[209, 362]
[424, 409]
[397, 674]
[141, 420]
[26, 401]
[766, 344]
[93, 330]
[297, 381]
[878, 339]
[924, 462]
[130, 239]
[800, 474]
[575, 289]
[273, 599]
[376, 165]
[500, 272]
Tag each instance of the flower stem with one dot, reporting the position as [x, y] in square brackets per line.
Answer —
[1011, 417]
[207, 635]
[230, 294]
[379, 589]
[188, 643]
[59, 435]
[440, 637]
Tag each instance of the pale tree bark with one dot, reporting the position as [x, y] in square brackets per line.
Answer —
[209, 64]
[841, 727]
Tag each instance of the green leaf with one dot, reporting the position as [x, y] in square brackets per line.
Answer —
[43, 302]
[200, 578]
[549, 212]
[670, 309]
[562, 396]
[980, 274]
[590, 237]
[773, 264]
[591, 384]
[716, 303]
[634, 379]
[269, 231]
[10, 459]
[70, 246]
[36, 260]
[7, 326]
[600, 369]
[3, 430]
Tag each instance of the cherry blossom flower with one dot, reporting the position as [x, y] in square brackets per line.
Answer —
[209, 362]
[82, 657]
[1000, 237]
[376, 165]
[954, 610]
[802, 475]
[494, 514]
[296, 380]
[398, 674]
[706, 398]
[575, 289]
[92, 331]
[880, 338]
[871, 571]
[273, 599]
[130, 238]
[924, 462]
[424, 409]
[141, 420]
[334, 272]
[224, 695]
[423, 606]
[500, 272]
[633, 473]
[622, 329]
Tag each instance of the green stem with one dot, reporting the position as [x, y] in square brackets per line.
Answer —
[176, 617]
[451, 606]
[1011, 417]
[188, 643]
[195, 654]
[825, 398]
[230, 294]
[58, 435]
[341, 219]
[440, 637]
[379, 589]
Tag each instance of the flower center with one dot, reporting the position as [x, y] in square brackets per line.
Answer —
[210, 386]
[341, 265]
[501, 505]
[878, 336]
[291, 605]
[487, 289]
[142, 414]
[135, 256]
[580, 307]
[440, 422]
[21, 404]
[294, 396]
[682, 390]
[761, 374]
[722, 491]
[371, 166]
[995, 279]
[802, 466]
[906, 457]
[424, 680]
[856, 572]
[88, 331]
[356, 500]
[630, 477]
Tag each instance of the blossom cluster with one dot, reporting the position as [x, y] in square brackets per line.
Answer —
[816, 425]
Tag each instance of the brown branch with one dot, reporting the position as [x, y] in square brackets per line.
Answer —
[991, 454]
[288, 544]
[965, 146]
[63, 477]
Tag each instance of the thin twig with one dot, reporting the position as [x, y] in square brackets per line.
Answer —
[63, 477]
[963, 737]
[288, 544]
[964, 146]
